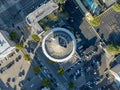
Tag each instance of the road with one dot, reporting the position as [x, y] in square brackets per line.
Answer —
[60, 79]
[17, 12]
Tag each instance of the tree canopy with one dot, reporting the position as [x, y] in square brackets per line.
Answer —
[46, 82]
[52, 17]
[60, 1]
[116, 7]
[95, 22]
[35, 38]
[92, 20]
[113, 49]
[71, 85]
[60, 71]
[26, 57]
[19, 46]
[36, 69]
[13, 36]
[47, 28]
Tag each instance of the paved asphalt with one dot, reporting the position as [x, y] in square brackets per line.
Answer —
[17, 13]
[60, 79]
[109, 30]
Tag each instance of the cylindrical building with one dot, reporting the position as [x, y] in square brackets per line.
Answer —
[59, 44]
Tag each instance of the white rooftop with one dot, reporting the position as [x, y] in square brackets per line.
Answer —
[33, 18]
[42, 11]
[4, 45]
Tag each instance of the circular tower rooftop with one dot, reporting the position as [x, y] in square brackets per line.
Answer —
[59, 44]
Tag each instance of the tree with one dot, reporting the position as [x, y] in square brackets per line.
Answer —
[13, 36]
[19, 46]
[60, 1]
[116, 7]
[60, 9]
[60, 71]
[92, 20]
[36, 69]
[26, 57]
[46, 82]
[71, 85]
[47, 28]
[78, 38]
[35, 38]
[113, 49]
[95, 22]
[52, 62]
[52, 17]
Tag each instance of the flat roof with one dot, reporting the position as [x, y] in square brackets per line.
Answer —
[116, 68]
[109, 28]
[4, 45]
[41, 12]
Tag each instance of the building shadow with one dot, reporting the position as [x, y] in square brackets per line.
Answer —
[5, 86]
[114, 38]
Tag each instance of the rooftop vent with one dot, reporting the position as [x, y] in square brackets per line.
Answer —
[2, 42]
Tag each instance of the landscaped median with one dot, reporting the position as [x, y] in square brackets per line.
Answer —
[116, 7]
[92, 20]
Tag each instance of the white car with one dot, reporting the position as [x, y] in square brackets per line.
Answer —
[31, 85]
[21, 84]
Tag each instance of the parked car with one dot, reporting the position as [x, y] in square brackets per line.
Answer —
[13, 79]
[9, 79]
[10, 64]
[3, 69]
[20, 84]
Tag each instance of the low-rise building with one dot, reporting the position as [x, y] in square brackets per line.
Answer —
[6, 45]
[34, 17]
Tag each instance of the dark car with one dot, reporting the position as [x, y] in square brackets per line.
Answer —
[23, 72]
[10, 64]
[18, 58]
[13, 79]
[3, 69]
[9, 79]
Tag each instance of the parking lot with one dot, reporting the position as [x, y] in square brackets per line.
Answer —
[15, 71]
[109, 29]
